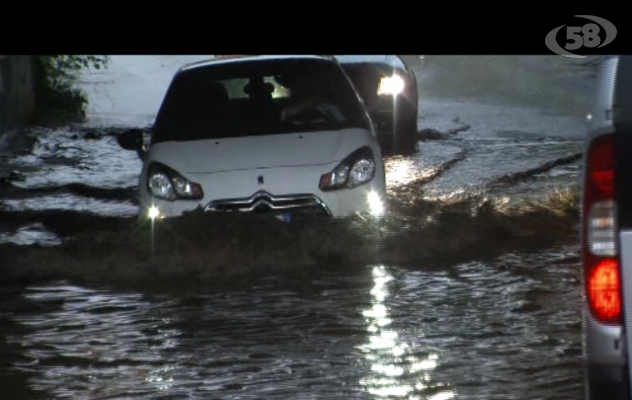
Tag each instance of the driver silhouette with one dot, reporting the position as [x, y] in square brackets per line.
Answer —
[308, 95]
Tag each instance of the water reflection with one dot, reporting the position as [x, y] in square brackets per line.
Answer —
[399, 171]
[398, 368]
[161, 377]
[94, 343]
[72, 203]
[29, 235]
[480, 328]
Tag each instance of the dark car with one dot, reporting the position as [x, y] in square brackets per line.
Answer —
[389, 89]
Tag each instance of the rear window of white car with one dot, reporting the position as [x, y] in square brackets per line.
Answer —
[262, 97]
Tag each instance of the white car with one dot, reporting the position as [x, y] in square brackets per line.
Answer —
[282, 134]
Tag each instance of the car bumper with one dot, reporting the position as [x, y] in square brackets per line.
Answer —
[367, 198]
[604, 353]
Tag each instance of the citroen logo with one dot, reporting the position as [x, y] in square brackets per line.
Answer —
[260, 180]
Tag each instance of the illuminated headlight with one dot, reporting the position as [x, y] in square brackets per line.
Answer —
[160, 186]
[361, 172]
[153, 212]
[376, 206]
[355, 170]
[391, 85]
[165, 183]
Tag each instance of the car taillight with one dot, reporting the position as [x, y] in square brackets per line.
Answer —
[601, 265]
[603, 290]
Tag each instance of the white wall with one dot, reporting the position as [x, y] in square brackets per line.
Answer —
[129, 92]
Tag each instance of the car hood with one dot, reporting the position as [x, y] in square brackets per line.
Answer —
[253, 152]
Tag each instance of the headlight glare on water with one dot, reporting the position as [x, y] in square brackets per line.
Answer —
[376, 206]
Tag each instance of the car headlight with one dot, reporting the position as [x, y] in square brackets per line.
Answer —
[358, 168]
[165, 183]
[391, 85]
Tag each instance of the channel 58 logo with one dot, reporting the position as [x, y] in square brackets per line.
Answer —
[594, 34]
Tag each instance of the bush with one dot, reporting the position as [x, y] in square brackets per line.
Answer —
[57, 99]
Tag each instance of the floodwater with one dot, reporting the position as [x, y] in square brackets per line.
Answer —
[470, 288]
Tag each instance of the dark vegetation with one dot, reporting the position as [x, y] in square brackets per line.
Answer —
[58, 100]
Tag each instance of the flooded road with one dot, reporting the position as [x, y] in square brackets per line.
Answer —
[470, 289]
[475, 331]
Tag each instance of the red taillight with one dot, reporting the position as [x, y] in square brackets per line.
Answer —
[604, 181]
[604, 290]
[602, 275]
[600, 163]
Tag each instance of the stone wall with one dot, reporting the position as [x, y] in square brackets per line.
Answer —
[17, 97]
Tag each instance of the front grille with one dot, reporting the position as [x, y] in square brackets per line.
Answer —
[265, 202]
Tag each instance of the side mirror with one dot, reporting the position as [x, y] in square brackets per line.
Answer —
[132, 140]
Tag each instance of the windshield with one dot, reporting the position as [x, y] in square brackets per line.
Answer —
[258, 98]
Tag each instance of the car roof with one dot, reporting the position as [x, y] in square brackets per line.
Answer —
[229, 59]
[391, 60]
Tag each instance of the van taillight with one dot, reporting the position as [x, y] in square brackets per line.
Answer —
[601, 265]
[603, 290]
